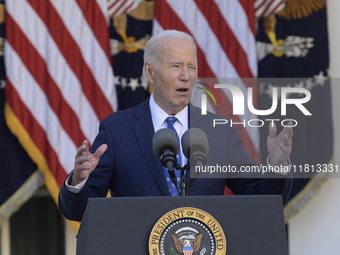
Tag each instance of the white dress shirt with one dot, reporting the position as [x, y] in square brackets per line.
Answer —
[159, 116]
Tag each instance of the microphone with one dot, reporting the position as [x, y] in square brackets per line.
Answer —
[195, 146]
[166, 147]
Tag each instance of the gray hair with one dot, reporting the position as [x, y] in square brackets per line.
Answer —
[152, 46]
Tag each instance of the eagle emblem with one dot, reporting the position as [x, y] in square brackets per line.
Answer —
[187, 240]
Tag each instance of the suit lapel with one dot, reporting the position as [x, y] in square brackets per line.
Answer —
[194, 116]
[144, 131]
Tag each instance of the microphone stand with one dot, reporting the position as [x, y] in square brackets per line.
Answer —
[182, 184]
[198, 160]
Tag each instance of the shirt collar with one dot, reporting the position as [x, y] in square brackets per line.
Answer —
[158, 115]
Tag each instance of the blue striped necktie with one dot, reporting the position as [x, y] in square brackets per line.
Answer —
[172, 189]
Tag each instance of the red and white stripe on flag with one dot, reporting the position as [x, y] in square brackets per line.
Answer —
[59, 79]
[225, 35]
[264, 8]
[119, 7]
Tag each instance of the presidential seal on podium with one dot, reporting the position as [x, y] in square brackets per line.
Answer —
[187, 231]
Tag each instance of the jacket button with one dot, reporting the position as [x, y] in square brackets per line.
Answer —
[70, 202]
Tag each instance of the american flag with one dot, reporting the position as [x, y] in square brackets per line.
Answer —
[264, 8]
[119, 7]
[59, 79]
[225, 35]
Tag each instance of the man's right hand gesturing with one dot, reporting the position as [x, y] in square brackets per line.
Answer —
[85, 162]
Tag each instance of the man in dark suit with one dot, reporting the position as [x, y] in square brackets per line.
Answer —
[122, 160]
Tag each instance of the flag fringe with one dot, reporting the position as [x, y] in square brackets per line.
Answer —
[313, 187]
[35, 154]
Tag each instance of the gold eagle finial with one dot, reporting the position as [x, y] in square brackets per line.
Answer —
[294, 9]
[298, 9]
[144, 11]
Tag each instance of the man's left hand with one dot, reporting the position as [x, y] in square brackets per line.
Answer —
[279, 146]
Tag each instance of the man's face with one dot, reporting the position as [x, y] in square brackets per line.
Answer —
[174, 75]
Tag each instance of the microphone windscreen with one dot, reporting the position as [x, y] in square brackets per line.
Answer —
[194, 139]
[163, 139]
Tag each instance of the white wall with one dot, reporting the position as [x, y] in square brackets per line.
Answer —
[316, 229]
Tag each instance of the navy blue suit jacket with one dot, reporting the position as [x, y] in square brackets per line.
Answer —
[129, 168]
